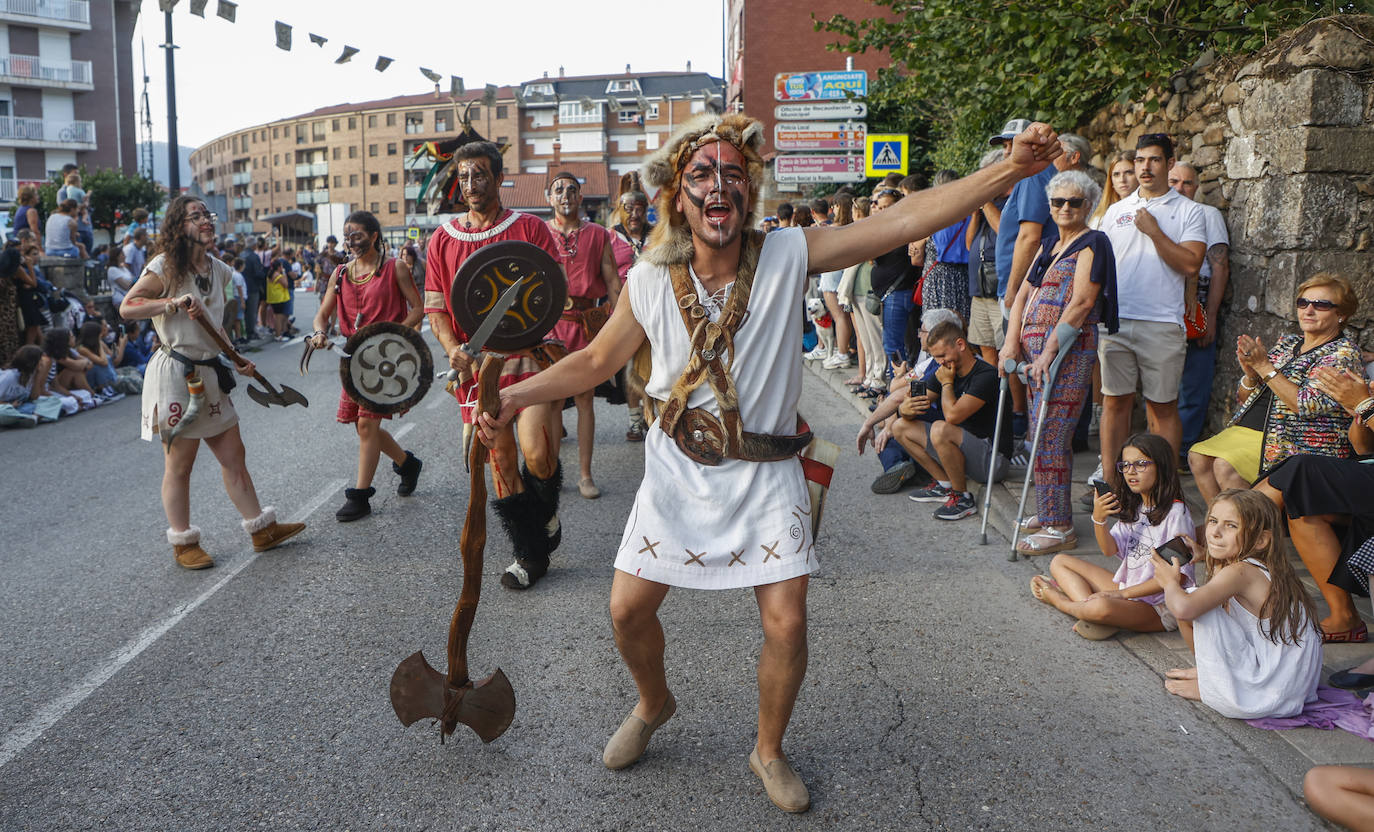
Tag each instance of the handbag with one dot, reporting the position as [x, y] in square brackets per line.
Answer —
[1197, 326]
[873, 304]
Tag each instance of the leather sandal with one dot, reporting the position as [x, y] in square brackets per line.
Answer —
[784, 787]
[1047, 541]
[628, 742]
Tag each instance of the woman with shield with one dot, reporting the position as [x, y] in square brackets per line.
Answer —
[186, 385]
[369, 289]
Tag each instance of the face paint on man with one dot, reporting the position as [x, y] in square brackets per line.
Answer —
[565, 196]
[480, 188]
[636, 215]
[715, 193]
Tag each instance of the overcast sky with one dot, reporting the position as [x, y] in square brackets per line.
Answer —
[232, 75]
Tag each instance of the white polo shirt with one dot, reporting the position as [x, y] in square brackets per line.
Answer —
[1147, 289]
[1216, 235]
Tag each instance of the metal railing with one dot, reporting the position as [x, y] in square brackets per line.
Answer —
[243, 228]
[307, 169]
[72, 11]
[243, 177]
[317, 197]
[32, 67]
[19, 128]
[242, 203]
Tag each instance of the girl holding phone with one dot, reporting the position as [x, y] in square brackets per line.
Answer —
[1150, 514]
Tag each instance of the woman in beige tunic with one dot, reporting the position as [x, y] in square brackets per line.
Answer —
[178, 287]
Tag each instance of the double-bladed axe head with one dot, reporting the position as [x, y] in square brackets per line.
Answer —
[285, 397]
[418, 691]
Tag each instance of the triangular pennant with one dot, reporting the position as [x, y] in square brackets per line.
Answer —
[346, 55]
[455, 85]
[226, 10]
[489, 95]
[166, 6]
[431, 75]
[612, 105]
[283, 36]
[383, 63]
[318, 40]
[198, 7]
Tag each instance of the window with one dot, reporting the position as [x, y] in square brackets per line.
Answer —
[373, 179]
[415, 122]
[274, 132]
[352, 151]
[391, 178]
[501, 111]
[391, 148]
[628, 117]
[391, 207]
[276, 186]
[475, 113]
[376, 207]
[352, 123]
[629, 85]
[572, 112]
[288, 186]
[390, 119]
[371, 121]
[255, 137]
[317, 131]
[653, 111]
[255, 187]
[353, 180]
[276, 158]
[338, 181]
[539, 89]
[334, 125]
[441, 118]
[410, 206]
[236, 144]
[372, 150]
[300, 134]
[502, 141]
[254, 163]
[337, 150]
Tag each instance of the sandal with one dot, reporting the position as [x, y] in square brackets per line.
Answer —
[1031, 524]
[1038, 585]
[1093, 631]
[856, 381]
[1355, 635]
[1047, 541]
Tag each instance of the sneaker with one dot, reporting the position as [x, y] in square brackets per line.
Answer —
[1097, 475]
[838, 361]
[894, 479]
[817, 354]
[957, 507]
[636, 431]
[933, 493]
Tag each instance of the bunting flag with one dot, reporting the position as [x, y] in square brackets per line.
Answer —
[612, 105]
[455, 85]
[198, 7]
[166, 6]
[586, 103]
[226, 10]
[318, 40]
[519, 99]
[346, 55]
[431, 75]
[283, 36]
[383, 63]
[643, 103]
[489, 95]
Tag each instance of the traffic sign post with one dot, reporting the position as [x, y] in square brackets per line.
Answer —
[804, 169]
[885, 153]
[821, 110]
[820, 86]
[413, 233]
[819, 135]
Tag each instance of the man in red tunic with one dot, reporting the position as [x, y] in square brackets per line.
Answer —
[589, 260]
[526, 497]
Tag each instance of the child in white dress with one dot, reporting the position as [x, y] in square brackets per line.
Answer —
[1252, 627]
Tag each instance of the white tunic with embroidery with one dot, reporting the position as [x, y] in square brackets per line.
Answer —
[165, 396]
[740, 523]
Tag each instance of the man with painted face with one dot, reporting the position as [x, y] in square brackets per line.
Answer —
[724, 503]
[526, 497]
[585, 252]
[631, 235]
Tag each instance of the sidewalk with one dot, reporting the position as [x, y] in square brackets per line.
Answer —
[1160, 651]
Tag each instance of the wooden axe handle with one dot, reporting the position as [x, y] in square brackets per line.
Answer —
[226, 347]
[474, 539]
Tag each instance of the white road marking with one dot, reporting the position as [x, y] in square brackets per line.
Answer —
[49, 715]
[403, 431]
[293, 342]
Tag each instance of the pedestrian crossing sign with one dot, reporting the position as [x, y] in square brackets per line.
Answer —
[885, 153]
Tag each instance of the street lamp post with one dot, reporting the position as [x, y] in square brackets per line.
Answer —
[173, 162]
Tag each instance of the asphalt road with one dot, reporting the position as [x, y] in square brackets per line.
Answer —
[138, 696]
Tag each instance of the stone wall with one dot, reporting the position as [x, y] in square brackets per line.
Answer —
[1283, 140]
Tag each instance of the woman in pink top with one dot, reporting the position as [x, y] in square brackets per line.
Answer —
[366, 289]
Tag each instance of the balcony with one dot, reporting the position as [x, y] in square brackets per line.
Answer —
[312, 169]
[412, 191]
[243, 177]
[243, 228]
[243, 203]
[33, 71]
[70, 14]
[8, 189]
[208, 187]
[17, 131]
[318, 197]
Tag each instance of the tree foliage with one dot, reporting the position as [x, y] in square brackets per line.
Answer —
[114, 196]
[966, 66]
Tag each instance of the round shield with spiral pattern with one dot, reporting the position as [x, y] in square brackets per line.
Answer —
[494, 268]
[389, 368]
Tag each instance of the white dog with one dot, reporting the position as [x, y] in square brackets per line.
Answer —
[825, 335]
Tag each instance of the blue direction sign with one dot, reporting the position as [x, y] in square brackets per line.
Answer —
[820, 86]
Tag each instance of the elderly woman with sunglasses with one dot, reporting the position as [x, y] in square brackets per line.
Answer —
[1284, 412]
[1071, 281]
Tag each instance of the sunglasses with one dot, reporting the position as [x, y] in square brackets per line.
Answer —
[1071, 201]
[1321, 305]
[1134, 465]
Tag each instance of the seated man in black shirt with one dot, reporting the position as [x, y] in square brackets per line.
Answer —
[960, 444]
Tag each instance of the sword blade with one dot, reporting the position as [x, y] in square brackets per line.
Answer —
[506, 301]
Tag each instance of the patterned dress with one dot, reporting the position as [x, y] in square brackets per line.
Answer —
[946, 285]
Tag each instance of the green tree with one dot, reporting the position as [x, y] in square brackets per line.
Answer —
[969, 65]
[114, 196]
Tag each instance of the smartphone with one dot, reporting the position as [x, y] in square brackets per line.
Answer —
[1102, 488]
[1176, 549]
[918, 387]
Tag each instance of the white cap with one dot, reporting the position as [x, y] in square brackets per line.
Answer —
[1010, 130]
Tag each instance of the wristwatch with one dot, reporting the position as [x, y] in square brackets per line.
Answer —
[1267, 376]
[1364, 411]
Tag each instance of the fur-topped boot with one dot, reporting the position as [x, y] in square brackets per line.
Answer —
[547, 491]
[521, 515]
[356, 505]
[409, 472]
[268, 533]
[186, 545]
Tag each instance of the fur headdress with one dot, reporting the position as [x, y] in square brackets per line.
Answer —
[671, 241]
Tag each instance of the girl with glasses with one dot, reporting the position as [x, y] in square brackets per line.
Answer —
[1150, 512]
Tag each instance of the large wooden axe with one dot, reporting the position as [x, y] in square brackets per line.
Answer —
[418, 691]
[285, 397]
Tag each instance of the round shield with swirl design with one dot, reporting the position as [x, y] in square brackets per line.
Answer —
[493, 269]
[389, 368]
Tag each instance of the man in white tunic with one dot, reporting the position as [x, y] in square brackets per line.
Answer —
[731, 511]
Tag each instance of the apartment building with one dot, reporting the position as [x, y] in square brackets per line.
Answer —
[66, 88]
[357, 155]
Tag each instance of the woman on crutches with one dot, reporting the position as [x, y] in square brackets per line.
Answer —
[1072, 281]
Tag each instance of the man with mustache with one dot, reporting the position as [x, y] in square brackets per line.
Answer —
[526, 497]
[724, 503]
[585, 251]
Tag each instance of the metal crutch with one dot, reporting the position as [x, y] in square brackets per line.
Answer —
[1066, 334]
[1003, 393]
